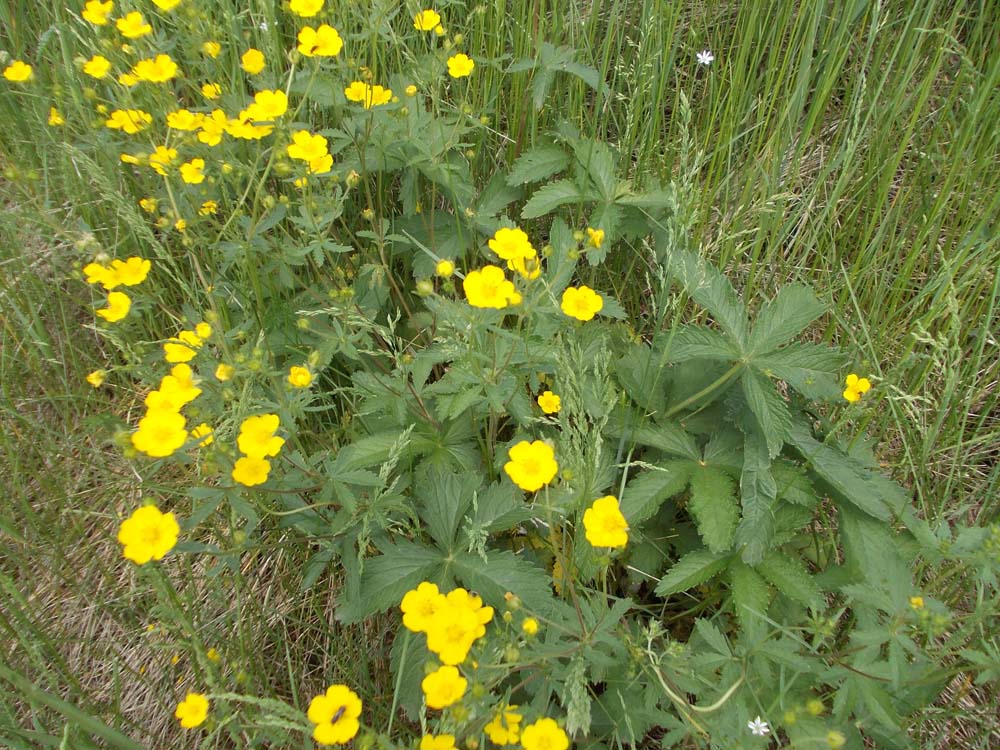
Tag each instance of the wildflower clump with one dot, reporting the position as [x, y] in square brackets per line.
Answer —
[257, 441]
[453, 622]
[505, 727]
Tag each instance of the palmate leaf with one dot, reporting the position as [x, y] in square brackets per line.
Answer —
[538, 163]
[666, 436]
[692, 569]
[504, 571]
[714, 506]
[387, 577]
[784, 317]
[811, 369]
[445, 497]
[598, 161]
[710, 289]
[645, 493]
[698, 342]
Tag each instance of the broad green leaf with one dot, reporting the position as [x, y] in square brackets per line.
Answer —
[758, 494]
[646, 492]
[784, 317]
[811, 369]
[712, 636]
[848, 479]
[692, 569]
[793, 484]
[666, 436]
[387, 577]
[496, 197]
[549, 197]
[871, 553]
[710, 289]
[407, 659]
[642, 373]
[769, 408]
[504, 571]
[598, 161]
[444, 497]
[698, 342]
[538, 164]
[498, 508]
[751, 595]
[791, 579]
[714, 507]
[559, 267]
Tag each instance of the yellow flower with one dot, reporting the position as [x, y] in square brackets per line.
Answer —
[253, 61]
[452, 633]
[155, 70]
[322, 42]
[129, 121]
[605, 524]
[306, 146]
[488, 287]
[443, 687]
[544, 734]
[206, 434]
[132, 271]
[149, 205]
[18, 72]
[444, 268]
[529, 626]
[582, 303]
[335, 714]
[96, 378]
[856, 387]
[439, 742]
[421, 607]
[531, 465]
[208, 208]
[95, 273]
[118, 306]
[595, 237]
[127, 79]
[268, 105]
[162, 158]
[211, 91]
[193, 710]
[460, 66]
[148, 534]
[193, 172]
[212, 128]
[168, 5]
[224, 372]
[505, 728]
[96, 12]
[257, 438]
[203, 331]
[185, 119]
[509, 244]
[213, 655]
[131, 159]
[367, 96]
[439, 30]
[426, 20]
[55, 117]
[180, 225]
[161, 432]
[251, 471]
[916, 603]
[549, 402]
[133, 25]
[305, 8]
[182, 348]
[299, 377]
[97, 66]
[411, 90]
[212, 49]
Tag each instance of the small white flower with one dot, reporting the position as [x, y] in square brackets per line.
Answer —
[758, 728]
[705, 57]
[263, 25]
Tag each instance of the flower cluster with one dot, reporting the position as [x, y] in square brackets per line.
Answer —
[130, 272]
[257, 442]
[453, 622]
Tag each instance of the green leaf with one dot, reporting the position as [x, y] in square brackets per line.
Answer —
[504, 571]
[445, 498]
[811, 369]
[538, 164]
[646, 492]
[714, 507]
[560, 266]
[551, 196]
[387, 577]
[500, 507]
[784, 317]
[710, 289]
[692, 569]
[666, 436]
[598, 161]
[698, 342]
[712, 636]
[793, 484]
[758, 494]
[791, 579]
[751, 595]
[496, 197]
[848, 479]
[769, 408]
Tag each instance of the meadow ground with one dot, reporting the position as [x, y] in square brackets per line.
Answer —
[850, 145]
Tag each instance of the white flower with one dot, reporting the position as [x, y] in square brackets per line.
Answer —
[263, 25]
[758, 728]
[705, 57]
